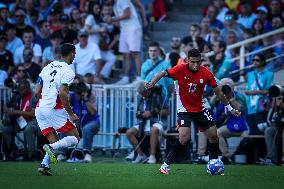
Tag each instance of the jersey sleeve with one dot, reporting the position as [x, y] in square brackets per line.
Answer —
[68, 77]
[174, 72]
[211, 80]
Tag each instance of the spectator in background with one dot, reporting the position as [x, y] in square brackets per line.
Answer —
[148, 115]
[43, 9]
[68, 35]
[31, 69]
[205, 30]
[173, 56]
[83, 104]
[262, 14]
[13, 41]
[246, 17]
[222, 9]
[257, 27]
[76, 22]
[49, 53]
[212, 13]
[213, 36]
[67, 7]
[54, 19]
[274, 9]
[194, 34]
[130, 36]
[275, 131]
[19, 113]
[4, 16]
[230, 23]
[88, 57]
[6, 57]
[159, 11]
[221, 63]
[92, 22]
[186, 45]
[29, 7]
[258, 82]
[232, 39]
[43, 37]
[276, 23]
[21, 26]
[18, 73]
[231, 125]
[28, 38]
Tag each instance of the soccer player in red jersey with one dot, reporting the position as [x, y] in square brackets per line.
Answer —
[192, 78]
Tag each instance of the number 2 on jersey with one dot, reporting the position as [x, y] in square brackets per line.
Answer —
[192, 87]
[52, 74]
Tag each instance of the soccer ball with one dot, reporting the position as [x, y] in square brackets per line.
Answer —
[215, 167]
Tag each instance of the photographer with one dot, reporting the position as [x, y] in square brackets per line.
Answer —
[272, 134]
[20, 116]
[82, 101]
[151, 109]
[231, 125]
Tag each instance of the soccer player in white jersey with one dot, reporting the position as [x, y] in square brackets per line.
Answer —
[53, 111]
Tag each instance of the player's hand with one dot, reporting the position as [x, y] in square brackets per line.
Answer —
[236, 112]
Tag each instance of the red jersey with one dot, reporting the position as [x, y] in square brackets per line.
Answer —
[190, 87]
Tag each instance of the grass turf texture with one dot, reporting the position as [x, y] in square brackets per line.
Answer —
[124, 175]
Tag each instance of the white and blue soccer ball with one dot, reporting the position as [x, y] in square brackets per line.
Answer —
[215, 167]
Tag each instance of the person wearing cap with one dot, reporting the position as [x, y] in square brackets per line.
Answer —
[13, 42]
[230, 125]
[88, 58]
[262, 14]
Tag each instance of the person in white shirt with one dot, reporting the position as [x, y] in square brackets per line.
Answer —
[88, 57]
[53, 112]
[13, 41]
[28, 37]
[130, 35]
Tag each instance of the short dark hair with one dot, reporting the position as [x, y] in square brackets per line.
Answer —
[66, 49]
[193, 53]
[25, 83]
[29, 30]
[56, 35]
[41, 22]
[261, 57]
[154, 44]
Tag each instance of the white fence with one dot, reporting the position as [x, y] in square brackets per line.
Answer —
[116, 106]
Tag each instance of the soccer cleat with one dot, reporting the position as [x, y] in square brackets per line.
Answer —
[88, 158]
[44, 170]
[165, 169]
[51, 153]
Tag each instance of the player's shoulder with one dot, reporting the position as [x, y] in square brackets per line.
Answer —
[205, 71]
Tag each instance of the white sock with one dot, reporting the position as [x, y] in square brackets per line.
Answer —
[67, 141]
[46, 160]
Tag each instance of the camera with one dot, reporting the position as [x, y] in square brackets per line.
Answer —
[10, 83]
[276, 90]
[80, 88]
[139, 115]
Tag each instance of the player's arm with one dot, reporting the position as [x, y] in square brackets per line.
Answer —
[153, 82]
[63, 93]
[225, 101]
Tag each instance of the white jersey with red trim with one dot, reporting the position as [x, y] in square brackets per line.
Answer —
[53, 76]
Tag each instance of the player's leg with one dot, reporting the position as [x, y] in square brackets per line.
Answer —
[213, 145]
[204, 120]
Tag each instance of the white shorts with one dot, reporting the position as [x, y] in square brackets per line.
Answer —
[50, 120]
[130, 41]
[147, 127]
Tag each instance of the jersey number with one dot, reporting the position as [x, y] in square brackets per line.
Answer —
[52, 74]
[192, 87]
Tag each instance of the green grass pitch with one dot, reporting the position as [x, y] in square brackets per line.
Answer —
[21, 175]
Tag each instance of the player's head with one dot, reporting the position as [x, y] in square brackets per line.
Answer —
[68, 52]
[194, 60]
